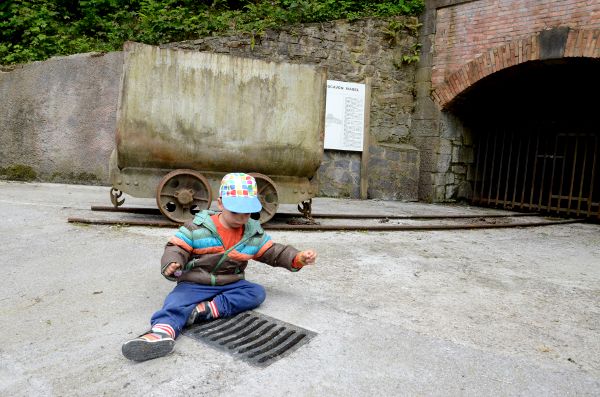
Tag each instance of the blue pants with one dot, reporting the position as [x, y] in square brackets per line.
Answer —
[230, 299]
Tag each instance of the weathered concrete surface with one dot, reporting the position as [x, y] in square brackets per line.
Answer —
[488, 312]
[212, 112]
[58, 116]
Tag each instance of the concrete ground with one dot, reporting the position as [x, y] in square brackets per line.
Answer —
[460, 312]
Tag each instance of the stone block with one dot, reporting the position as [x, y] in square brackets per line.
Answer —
[282, 48]
[372, 49]
[459, 169]
[369, 70]
[450, 192]
[390, 178]
[392, 155]
[425, 190]
[438, 179]
[320, 54]
[426, 59]
[375, 150]
[412, 157]
[329, 35]
[355, 167]
[376, 163]
[450, 127]
[428, 161]
[400, 131]
[342, 164]
[422, 89]
[425, 128]
[426, 109]
[445, 147]
[464, 191]
[443, 162]
[456, 151]
[295, 50]
[423, 75]
[439, 194]
[286, 37]
[427, 143]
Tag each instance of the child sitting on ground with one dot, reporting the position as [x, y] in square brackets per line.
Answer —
[207, 257]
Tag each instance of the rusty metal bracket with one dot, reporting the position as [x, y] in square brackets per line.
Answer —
[305, 209]
[114, 197]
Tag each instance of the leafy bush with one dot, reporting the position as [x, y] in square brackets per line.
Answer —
[38, 29]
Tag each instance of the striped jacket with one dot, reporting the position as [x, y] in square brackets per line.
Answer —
[199, 249]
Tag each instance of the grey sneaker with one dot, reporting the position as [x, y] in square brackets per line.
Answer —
[200, 313]
[148, 346]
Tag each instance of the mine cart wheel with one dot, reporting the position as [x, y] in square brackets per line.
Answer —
[268, 196]
[183, 193]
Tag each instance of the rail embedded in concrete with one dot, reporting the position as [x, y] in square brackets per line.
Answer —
[308, 225]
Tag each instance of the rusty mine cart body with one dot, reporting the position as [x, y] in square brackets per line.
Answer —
[186, 118]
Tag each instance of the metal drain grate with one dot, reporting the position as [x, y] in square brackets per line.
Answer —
[253, 337]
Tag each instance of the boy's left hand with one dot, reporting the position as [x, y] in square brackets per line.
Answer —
[307, 257]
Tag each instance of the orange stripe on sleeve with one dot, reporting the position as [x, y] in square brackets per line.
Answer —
[262, 249]
[180, 243]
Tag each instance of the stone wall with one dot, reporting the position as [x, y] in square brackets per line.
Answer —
[352, 52]
[59, 115]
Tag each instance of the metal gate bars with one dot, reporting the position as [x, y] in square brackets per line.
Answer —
[543, 170]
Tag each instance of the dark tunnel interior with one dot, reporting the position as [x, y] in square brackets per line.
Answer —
[536, 134]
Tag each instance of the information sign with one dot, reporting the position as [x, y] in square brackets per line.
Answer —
[344, 116]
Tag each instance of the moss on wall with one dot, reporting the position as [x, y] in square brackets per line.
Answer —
[18, 172]
[83, 178]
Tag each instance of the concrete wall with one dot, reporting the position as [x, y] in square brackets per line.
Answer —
[58, 117]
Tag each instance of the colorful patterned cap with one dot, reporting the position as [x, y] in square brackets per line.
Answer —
[238, 193]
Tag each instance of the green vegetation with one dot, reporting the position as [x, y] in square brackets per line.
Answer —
[413, 55]
[33, 30]
[18, 172]
[395, 27]
[84, 178]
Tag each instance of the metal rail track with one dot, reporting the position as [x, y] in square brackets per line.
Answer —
[156, 211]
[278, 222]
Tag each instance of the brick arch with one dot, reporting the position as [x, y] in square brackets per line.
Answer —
[554, 43]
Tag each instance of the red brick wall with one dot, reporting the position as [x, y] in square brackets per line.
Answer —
[476, 38]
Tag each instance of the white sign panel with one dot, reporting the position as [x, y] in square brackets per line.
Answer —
[344, 116]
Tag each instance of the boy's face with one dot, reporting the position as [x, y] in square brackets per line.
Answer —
[230, 219]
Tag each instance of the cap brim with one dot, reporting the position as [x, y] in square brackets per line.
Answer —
[242, 205]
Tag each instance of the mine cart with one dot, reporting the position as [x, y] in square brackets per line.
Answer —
[187, 118]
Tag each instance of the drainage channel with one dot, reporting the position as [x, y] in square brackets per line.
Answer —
[250, 336]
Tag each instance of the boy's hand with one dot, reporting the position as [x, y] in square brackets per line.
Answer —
[173, 266]
[307, 257]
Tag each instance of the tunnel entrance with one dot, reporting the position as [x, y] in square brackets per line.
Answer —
[551, 169]
[536, 137]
